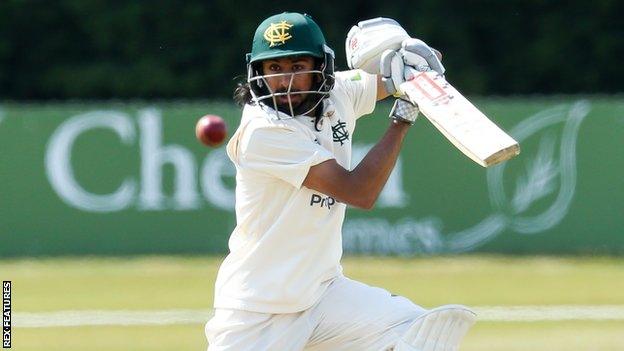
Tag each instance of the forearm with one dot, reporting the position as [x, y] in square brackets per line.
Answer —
[370, 176]
[361, 186]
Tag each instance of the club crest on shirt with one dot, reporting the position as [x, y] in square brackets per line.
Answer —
[340, 132]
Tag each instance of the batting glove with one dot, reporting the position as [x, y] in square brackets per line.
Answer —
[397, 66]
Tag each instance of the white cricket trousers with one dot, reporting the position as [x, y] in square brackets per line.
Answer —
[349, 316]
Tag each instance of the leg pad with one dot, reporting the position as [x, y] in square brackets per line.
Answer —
[440, 329]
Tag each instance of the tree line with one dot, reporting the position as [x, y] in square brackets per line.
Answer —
[99, 49]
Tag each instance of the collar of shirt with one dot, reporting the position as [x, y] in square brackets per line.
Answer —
[272, 113]
[329, 111]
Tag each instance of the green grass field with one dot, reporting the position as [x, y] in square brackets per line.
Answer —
[174, 283]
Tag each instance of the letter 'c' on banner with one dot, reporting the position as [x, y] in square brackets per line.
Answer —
[58, 161]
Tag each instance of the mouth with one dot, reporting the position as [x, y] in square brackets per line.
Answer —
[294, 99]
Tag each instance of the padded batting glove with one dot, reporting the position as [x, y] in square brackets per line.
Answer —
[397, 66]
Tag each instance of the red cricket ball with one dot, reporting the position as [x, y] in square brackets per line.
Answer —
[211, 130]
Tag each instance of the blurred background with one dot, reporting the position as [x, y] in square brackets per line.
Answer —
[193, 49]
[114, 219]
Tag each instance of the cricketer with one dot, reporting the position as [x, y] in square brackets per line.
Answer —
[281, 287]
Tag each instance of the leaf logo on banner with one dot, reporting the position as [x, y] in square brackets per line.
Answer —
[540, 177]
[545, 174]
[539, 198]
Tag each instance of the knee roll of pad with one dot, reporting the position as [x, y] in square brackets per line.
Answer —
[441, 329]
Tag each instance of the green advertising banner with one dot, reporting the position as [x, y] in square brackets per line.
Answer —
[117, 179]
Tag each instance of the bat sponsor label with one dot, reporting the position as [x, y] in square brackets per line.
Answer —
[430, 89]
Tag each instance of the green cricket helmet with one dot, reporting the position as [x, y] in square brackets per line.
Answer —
[290, 34]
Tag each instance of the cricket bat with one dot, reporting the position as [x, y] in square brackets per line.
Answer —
[459, 120]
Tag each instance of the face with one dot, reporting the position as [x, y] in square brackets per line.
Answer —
[280, 84]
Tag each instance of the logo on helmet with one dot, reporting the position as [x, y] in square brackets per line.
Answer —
[277, 33]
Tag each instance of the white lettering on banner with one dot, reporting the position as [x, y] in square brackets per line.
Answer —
[549, 175]
[217, 166]
[379, 236]
[58, 161]
[544, 175]
[215, 169]
[153, 157]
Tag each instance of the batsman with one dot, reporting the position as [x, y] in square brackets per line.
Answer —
[281, 287]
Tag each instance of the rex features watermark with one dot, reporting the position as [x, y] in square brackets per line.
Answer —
[6, 314]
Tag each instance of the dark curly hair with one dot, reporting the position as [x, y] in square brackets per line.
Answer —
[242, 94]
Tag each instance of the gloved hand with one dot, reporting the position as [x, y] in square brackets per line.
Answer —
[415, 50]
[396, 66]
[368, 39]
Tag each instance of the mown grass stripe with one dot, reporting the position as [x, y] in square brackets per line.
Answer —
[169, 317]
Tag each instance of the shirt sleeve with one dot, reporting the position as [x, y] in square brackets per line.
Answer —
[282, 153]
[361, 88]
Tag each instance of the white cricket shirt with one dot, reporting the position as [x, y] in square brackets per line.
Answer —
[287, 243]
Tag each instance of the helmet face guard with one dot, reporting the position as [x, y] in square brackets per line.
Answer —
[323, 83]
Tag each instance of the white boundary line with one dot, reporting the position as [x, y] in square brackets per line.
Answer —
[550, 313]
[168, 317]
[106, 317]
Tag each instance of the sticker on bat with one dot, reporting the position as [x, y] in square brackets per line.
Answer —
[430, 89]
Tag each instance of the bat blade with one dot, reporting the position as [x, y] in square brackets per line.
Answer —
[459, 120]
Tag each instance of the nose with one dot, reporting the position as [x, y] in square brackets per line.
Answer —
[284, 81]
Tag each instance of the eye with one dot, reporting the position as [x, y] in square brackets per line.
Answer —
[274, 67]
[298, 67]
